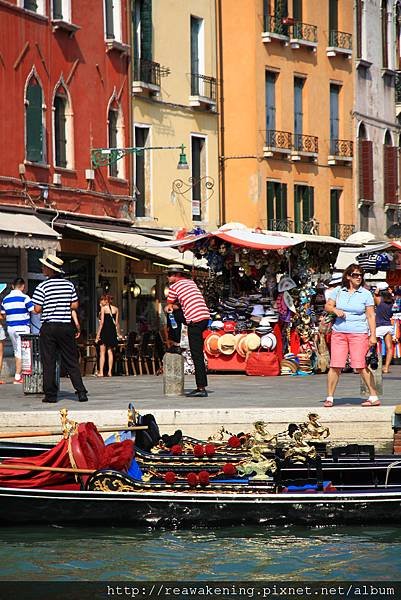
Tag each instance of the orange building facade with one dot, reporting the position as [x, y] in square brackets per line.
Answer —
[286, 125]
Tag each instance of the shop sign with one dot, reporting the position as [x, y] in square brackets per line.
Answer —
[26, 357]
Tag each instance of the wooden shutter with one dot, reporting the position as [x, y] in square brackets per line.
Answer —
[113, 115]
[270, 99]
[359, 4]
[297, 208]
[390, 174]
[365, 170]
[57, 9]
[270, 205]
[334, 117]
[308, 208]
[297, 10]
[298, 114]
[384, 34]
[146, 29]
[60, 131]
[333, 15]
[282, 212]
[108, 6]
[334, 212]
[34, 125]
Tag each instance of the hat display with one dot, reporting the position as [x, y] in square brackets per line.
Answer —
[240, 344]
[264, 322]
[52, 262]
[175, 269]
[211, 345]
[288, 367]
[286, 283]
[217, 325]
[227, 343]
[289, 302]
[252, 342]
[229, 326]
[336, 279]
[258, 311]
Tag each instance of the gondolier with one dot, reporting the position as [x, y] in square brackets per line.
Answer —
[55, 298]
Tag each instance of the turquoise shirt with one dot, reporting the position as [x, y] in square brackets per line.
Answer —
[354, 306]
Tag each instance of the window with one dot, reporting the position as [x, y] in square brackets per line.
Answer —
[61, 9]
[37, 6]
[298, 112]
[335, 212]
[359, 33]
[34, 122]
[270, 99]
[112, 19]
[60, 134]
[143, 40]
[365, 150]
[384, 27]
[333, 15]
[390, 171]
[142, 173]
[116, 137]
[334, 118]
[277, 217]
[303, 208]
[198, 166]
[197, 56]
[297, 10]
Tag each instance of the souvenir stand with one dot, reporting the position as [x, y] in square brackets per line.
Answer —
[265, 294]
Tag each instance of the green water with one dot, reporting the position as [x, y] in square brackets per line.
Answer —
[239, 553]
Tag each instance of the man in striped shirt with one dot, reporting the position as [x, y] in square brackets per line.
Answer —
[55, 298]
[185, 292]
[16, 307]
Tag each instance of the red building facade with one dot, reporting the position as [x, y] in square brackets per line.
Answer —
[64, 90]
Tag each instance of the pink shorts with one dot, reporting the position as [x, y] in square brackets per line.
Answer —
[356, 344]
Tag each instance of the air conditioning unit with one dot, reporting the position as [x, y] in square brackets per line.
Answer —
[89, 174]
[57, 178]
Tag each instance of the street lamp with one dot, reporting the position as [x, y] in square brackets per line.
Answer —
[102, 157]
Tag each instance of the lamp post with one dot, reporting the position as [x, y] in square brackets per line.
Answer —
[101, 157]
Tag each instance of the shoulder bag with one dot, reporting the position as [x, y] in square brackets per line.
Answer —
[262, 364]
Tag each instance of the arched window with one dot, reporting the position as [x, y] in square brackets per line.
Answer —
[116, 137]
[34, 149]
[62, 128]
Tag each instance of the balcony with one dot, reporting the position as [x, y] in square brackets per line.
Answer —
[305, 147]
[275, 29]
[203, 92]
[340, 44]
[277, 143]
[280, 225]
[398, 92]
[341, 152]
[146, 77]
[311, 227]
[303, 35]
[341, 231]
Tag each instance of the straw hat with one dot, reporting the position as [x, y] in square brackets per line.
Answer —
[288, 366]
[227, 343]
[53, 262]
[211, 345]
[252, 342]
[240, 344]
[268, 341]
[175, 269]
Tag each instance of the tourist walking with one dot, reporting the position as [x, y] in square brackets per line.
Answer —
[354, 331]
[2, 338]
[55, 298]
[107, 334]
[185, 293]
[16, 308]
[384, 301]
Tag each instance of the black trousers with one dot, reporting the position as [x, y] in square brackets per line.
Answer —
[58, 338]
[195, 339]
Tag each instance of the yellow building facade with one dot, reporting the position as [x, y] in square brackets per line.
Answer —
[175, 102]
[286, 116]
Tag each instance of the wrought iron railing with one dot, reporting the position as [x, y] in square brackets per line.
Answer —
[279, 139]
[341, 231]
[342, 148]
[306, 143]
[202, 85]
[147, 71]
[275, 25]
[340, 39]
[398, 87]
[311, 227]
[304, 31]
[280, 225]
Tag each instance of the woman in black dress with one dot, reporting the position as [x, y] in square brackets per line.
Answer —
[108, 333]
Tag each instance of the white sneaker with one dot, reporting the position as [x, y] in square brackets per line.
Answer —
[17, 381]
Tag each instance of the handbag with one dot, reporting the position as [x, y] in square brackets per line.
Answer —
[262, 364]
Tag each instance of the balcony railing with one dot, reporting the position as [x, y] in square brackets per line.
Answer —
[147, 71]
[304, 31]
[342, 148]
[398, 87]
[275, 25]
[340, 39]
[280, 225]
[311, 227]
[341, 231]
[201, 85]
[306, 143]
[279, 139]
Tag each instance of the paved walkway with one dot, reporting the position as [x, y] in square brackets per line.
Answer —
[235, 401]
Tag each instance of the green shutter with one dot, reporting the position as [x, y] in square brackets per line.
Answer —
[34, 125]
[108, 5]
[308, 203]
[57, 9]
[60, 132]
[146, 29]
[297, 10]
[31, 5]
[333, 15]
[282, 202]
[297, 208]
[270, 204]
[334, 212]
[113, 115]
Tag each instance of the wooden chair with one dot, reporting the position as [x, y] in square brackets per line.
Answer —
[132, 353]
[88, 354]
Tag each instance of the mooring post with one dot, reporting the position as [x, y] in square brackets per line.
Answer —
[173, 374]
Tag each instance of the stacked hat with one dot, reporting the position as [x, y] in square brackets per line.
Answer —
[305, 364]
[288, 366]
[264, 326]
[336, 279]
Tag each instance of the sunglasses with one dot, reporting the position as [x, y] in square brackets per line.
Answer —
[356, 275]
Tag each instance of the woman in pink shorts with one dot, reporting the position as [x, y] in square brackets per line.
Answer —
[354, 331]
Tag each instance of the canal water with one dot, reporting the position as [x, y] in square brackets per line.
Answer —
[231, 554]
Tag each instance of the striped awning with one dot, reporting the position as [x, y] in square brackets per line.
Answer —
[28, 232]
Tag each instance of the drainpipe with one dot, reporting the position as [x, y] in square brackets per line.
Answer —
[221, 145]
[130, 6]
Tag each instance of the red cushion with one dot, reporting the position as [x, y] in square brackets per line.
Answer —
[119, 455]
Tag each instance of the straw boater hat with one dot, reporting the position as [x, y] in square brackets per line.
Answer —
[211, 345]
[53, 262]
[252, 342]
[175, 269]
[227, 343]
[240, 344]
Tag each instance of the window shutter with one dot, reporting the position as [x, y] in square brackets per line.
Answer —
[309, 203]
[113, 116]
[31, 5]
[359, 28]
[60, 132]
[333, 15]
[297, 10]
[57, 9]
[334, 212]
[270, 204]
[108, 5]
[390, 175]
[366, 170]
[334, 117]
[384, 34]
[298, 109]
[283, 201]
[146, 29]
[297, 208]
[34, 125]
[270, 100]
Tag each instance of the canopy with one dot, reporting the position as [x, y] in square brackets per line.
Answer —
[26, 231]
[347, 256]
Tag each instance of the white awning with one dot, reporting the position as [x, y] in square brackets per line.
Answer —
[135, 242]
[347, 256]
[27, 231]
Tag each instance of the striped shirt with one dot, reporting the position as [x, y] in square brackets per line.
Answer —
[187, 294]
[17, 306]
[55, 296]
